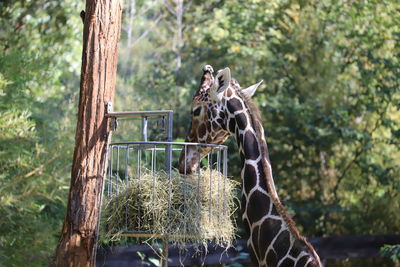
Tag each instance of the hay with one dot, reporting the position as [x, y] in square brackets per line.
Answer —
[177, 208]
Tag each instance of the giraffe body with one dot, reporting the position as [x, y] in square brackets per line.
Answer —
[220, 109]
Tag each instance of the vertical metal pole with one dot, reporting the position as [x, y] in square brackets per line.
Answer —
[117, 181]
[185, 184]
[225, 174]
[170, 124]
[144, 128]
[117, 176]
[152, 160]
[219, 178]
[169, 170]
[127, 185]
[139, 161]
[139, 174]
[198, 175]
[185, 161]
[153, 168]
[111, 170]
[109, 179]
[168, 161]
[168, 150]
[209, 204]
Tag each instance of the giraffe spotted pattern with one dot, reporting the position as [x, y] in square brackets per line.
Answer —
[220, 109]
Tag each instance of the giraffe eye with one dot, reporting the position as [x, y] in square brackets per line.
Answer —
[196, 112]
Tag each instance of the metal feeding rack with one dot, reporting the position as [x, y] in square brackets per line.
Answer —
[128, 160]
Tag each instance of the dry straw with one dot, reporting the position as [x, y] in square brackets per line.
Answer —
[186, 209]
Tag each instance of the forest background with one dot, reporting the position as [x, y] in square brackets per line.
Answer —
[330, 103]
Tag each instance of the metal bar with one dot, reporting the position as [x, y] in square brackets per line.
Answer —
[127, 184]
[149, 147]
[111, 172]
[109, 180]
[155, 235]
[168, 158]
[209, 204]
[219, 179]
[169, 192]
[198, 176]
[163, 123]
[152, 160]
[153, 169]
[139, 174]
[170, 143]
[168, 150]
[138, 114]
[170, 125]
[155, 156]
[185, 147]
[144, 128]
[225, 174]
[185, 183]
[117, 176]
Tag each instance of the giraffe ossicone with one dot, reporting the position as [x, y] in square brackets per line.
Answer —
[220, 108]
[208, 68]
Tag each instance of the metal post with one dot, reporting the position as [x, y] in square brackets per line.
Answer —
[168, 150]
[144, 128]
[210, 202]
[127, 186]
[198, 175]
[225, 174]
[108, 178]
[219, 178]
[139, 174]
[117, 178]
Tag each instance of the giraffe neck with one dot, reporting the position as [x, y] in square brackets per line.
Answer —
[273, 237]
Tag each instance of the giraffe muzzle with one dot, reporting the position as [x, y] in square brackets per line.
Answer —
[189, 160]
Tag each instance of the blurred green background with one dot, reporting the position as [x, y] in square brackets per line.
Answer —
[330, 103]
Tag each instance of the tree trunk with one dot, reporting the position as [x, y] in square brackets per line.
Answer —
[102, 26]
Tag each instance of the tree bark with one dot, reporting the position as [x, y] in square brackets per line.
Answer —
[102, 26]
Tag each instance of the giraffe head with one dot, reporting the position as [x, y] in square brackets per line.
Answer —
[210, 114]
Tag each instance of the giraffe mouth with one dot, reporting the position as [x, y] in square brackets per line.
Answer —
[189, 159]
[190, 169]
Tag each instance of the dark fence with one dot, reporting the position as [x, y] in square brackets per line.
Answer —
[337, 247]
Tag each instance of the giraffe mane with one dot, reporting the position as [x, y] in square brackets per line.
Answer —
[256, 121]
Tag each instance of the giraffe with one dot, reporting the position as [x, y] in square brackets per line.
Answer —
[220, 108]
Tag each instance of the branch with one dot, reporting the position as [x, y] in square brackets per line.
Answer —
[170, 9]
[147, 9]
[169, 26]
[187, 6]
[147, 31]
[359, 150]
[141, 12]
[31, 173]
[82, 14]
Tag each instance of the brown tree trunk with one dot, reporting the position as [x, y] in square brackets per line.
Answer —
[102, 26]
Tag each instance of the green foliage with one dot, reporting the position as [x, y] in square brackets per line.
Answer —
[330, 104]
[39, 63]
[330, 101]
[391, 251]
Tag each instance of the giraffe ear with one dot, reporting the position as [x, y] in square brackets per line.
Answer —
[221, 83]
[249, 91]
